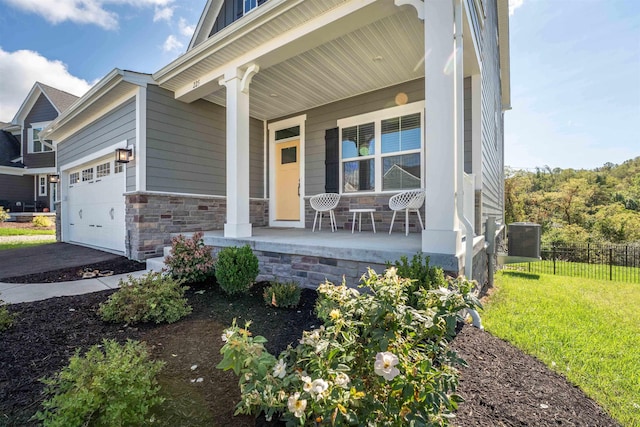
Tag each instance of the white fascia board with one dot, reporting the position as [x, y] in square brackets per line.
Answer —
[93, 156]
[27, 104]
[96, 93]
[98, 90]
[9, 170]
[505, 56]
[312, 33]
[223, 38]
[39, 171]
[206, 22]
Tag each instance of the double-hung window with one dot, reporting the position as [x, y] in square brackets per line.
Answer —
[36, 144]
[382, 151]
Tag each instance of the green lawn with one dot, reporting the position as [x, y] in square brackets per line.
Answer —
[587, 330]
[13, 245]
[25, 231]
[578, 269]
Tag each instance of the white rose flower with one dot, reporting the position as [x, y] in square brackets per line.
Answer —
[307, 383]
[385, 365]
[226, 335]
[297, 405]
[318, 387]
[342, 380]
[280, 370]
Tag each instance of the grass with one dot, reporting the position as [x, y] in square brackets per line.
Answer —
[16, 245]
[26, 231]
[585, 329]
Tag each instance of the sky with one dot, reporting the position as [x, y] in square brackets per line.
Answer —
[575, 66]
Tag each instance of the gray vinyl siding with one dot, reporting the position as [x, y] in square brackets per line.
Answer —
[186, 146]
[468, 127]
[325, 117]
[115, 126]
[492, 123]
[15, 188]
[42, 111]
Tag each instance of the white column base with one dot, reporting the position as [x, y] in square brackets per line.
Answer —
[447, 242]
[237, 230]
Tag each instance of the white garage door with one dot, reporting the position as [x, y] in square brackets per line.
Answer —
[96, 205]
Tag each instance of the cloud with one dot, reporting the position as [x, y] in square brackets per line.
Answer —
[83, 11]
[163, 13]
[19, 70]
[186, 29]
[172, 44]
[513, 5]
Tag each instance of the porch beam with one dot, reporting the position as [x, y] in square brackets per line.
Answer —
[237, 224]
[442, 232]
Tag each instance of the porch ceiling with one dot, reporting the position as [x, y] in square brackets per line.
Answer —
[384, 53]
[352, 48]
[310, 53]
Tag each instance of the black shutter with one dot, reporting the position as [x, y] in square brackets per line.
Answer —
[332, 160]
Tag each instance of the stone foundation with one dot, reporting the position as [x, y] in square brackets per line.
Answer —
[58, 205]
[151, 218]
[309, 271]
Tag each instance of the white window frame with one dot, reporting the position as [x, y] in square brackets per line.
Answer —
[42, 185]
[246, 10]
[31, 141]
[376, 118]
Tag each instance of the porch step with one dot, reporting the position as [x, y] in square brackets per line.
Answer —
[156, 264]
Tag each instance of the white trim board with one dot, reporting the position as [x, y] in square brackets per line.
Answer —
[95, 155]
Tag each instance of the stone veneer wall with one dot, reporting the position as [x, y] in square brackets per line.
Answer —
[151, 218]
[382, 215]
[58, 208]
[309, 271]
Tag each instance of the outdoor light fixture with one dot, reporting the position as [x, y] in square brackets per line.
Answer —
[54, 179]
[124, 155]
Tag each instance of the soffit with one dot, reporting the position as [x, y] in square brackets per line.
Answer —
[382, 54]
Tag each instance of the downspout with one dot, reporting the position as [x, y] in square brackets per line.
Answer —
[459, 140]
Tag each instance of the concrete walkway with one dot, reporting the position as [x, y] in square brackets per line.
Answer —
[13, 293]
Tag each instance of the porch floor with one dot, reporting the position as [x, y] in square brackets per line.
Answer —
[362, 246]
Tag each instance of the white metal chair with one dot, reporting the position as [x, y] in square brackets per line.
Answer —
[409, 201]
[325, 202]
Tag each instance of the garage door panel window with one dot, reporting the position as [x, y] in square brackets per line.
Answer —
[118, 168]
[87, 174]
[103, 170]
[74, 178]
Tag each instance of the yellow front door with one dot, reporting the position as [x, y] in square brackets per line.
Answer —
[288, 181]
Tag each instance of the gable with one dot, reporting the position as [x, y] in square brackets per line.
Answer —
[219, 14]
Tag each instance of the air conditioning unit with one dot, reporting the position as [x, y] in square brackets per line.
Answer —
[524, 239]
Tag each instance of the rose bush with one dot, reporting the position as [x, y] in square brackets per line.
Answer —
[376, 361]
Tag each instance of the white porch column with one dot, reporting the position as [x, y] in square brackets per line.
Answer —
[237, 224]
[442, 233]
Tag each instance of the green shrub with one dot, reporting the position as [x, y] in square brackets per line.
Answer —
[151, 298]
[421, 274]
[375, 361]
[111, 385]
[6, 318]
[4, 214]
[282, 295]
[190, 259]
[236, 269]
[42, 221]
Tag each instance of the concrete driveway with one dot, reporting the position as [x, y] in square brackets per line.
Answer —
[42, 258]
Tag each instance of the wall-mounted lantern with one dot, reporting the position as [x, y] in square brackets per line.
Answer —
[124, 155]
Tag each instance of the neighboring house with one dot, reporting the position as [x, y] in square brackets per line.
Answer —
[276, 101]
[26, 159]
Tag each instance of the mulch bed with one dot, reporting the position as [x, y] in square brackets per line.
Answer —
[502, 386]
[117, 265]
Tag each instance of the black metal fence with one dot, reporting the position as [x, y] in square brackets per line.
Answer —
[591, 260]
